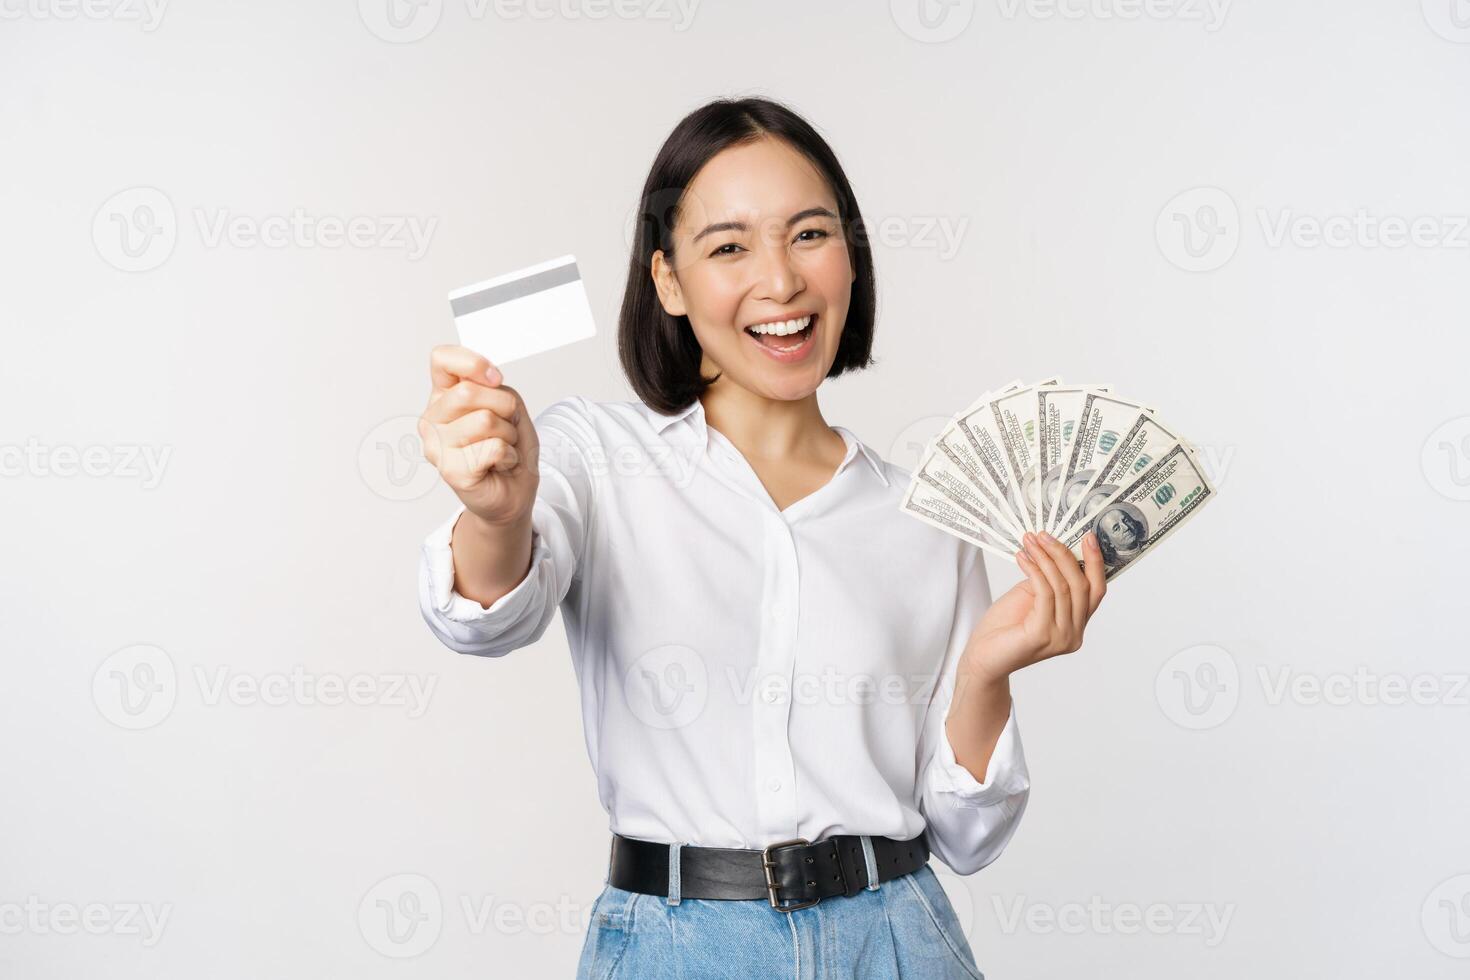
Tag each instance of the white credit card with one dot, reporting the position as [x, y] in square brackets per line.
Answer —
[524, 313]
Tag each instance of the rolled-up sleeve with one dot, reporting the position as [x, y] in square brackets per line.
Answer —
[969, 822]
[561, 520]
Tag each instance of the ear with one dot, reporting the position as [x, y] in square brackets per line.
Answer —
[667, 284]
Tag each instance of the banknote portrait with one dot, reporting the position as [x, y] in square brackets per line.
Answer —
[1122, 532]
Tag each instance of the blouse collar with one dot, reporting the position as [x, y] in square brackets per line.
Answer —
[694, 412]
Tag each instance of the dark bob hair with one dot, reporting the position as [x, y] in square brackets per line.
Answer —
[659, 352]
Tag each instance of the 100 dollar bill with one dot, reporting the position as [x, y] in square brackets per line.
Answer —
[1143, 513]
[935, 508]
[944, 475]
[991, 442]
[1100, 429]
[1058, 413]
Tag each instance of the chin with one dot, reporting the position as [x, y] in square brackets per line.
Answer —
[789, 389]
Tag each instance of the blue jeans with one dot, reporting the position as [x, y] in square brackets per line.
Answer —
[905, 928]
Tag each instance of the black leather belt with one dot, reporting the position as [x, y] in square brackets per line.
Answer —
[793, 874]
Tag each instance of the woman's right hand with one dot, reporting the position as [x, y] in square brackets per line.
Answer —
[478, 434]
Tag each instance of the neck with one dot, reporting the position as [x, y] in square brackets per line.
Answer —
[767, 428]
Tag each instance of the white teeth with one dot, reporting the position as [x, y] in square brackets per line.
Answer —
[782, 327]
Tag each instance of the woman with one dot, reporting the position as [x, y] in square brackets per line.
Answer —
[792, 692]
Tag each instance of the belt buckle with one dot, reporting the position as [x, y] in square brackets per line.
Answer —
[771, 887]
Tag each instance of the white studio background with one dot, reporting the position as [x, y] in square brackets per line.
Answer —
[231, 748]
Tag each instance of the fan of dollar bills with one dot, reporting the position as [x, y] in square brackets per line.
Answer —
[1060, 458]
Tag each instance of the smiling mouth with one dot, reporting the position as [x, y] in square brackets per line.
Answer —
[785, 343]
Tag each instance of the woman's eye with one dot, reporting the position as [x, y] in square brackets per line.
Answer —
[721, 249]
[819, 232]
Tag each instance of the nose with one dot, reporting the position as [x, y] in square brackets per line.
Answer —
[779, 279]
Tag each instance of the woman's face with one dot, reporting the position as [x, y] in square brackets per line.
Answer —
[758, 239]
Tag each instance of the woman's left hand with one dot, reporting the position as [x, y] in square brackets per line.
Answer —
[1043, 615]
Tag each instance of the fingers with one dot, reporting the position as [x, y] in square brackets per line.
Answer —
[450, 363]
[1096, 574]
[491, 454]
[476, 426]
[1062, 604]
[1078, 588]
[1043, 602]
[466, 397]
[465, 466]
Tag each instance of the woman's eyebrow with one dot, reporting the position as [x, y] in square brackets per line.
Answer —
[741, 226]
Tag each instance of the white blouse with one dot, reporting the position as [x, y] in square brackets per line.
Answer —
[748, 674]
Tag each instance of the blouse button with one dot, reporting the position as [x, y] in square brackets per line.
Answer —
[773, 784]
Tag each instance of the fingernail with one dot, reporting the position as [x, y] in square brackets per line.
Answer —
[493, 376]
[1046, 537]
